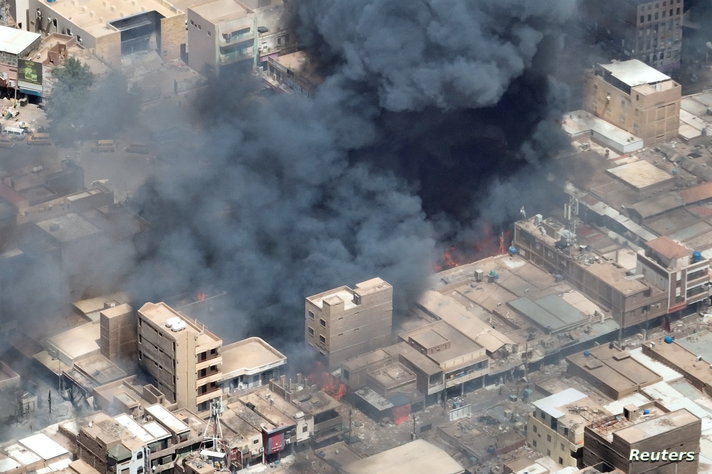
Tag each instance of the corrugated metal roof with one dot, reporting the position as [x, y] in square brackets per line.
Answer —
[698, 193]
[15, 41]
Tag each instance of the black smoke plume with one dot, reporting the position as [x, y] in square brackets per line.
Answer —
[425, 105]
[429, 112]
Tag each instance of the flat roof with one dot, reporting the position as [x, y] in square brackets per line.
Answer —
[441, 331]
[221, 10]
[78, 341]
[167, 419]
[668, 248]
[335, 297]
[159, 313]
[416, 457]
[43, 446]
[97, 304]
[634, 72]
[68, 227]
[94, 16]
[640, 174]
[249, 356]
[551, 404]
[15, 41]
[656, 426]
[580, 123]
[134, 428]
[22, 454]
[550, 312]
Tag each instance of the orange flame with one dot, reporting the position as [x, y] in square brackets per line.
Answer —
[487, 245]
[326, 382]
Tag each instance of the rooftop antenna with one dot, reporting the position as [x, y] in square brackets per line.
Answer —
[523, 212]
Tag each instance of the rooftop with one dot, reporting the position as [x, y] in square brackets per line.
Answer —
[93, 16]
[160, 313]
[551, 405]
[76, 342]
[44, 446]
[437, 333]
[640, 174]
[416, 457]
[668, 248]
[221, 10]
[167, 419]
[656, 426]
[249, 356]
[15, 41]
[634, 72]
[68, 227]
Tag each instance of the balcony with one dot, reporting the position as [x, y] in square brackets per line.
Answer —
[209, 395]
[235, 56]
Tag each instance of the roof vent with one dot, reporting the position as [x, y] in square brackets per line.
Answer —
[172, 321]
[178, 326]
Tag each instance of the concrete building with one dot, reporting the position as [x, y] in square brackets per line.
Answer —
[693, 366]
[618, 442]
[556, 426]
[126, 445]
[118, 337]
[346, 322]
[293, 72]
[15, 47]
[648, 30]
[611, 371]
[547, 243]
[182, 356]
[250, 363]
[635, 97]
[113, 29]
[34, 453]
[682, 273]
[230, 34]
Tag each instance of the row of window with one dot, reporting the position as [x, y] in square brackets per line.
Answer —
[656, 16]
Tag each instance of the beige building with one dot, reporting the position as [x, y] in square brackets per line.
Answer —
[556, 427]
[618, 441]
[182, 356]
[681, 272]
[230, 34]
[113, 29]
[635, 97]
[346, 322]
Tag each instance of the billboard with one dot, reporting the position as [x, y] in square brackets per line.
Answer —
[29, 76]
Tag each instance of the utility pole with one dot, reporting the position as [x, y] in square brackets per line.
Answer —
[49, 400]
[350, 413]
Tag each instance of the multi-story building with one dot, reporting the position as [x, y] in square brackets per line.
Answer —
[648, 30]
[227, 34]
[635, 97]
[631, 301]
[644, 441]
[182, 356]
[113, 29]
[346, 322]
[682, 273]
[556, 426]
[124, 445]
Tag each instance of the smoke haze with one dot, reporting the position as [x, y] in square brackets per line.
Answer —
[432, 115]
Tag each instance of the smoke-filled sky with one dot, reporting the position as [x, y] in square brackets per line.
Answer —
[433, 115]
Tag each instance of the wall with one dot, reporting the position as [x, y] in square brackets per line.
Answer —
[173, 35]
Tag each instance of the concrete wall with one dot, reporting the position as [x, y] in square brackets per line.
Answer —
[202, 46]
[173, 35]
[654, 117]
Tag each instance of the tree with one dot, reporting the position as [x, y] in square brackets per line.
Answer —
[67, 102]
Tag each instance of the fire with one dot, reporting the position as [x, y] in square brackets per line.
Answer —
[200, 295]
[487, 244]
[327, 382]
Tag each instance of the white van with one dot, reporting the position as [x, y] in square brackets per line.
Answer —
[14, 131]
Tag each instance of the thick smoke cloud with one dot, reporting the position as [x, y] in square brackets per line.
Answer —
[426, 108]
[298, 195]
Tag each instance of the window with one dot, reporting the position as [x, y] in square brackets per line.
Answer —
[322, 339]
[304, 429]
[311, 314]
[139, 455]
[548, 438]
[534, 443]
[561, 461]
[534, 428]
[322, 322]
[311, 331]
[139, 470]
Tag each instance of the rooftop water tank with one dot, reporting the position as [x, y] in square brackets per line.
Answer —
[668, 339]
[512, 250]
[646, 412]
[586, 354]
[696, 256]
